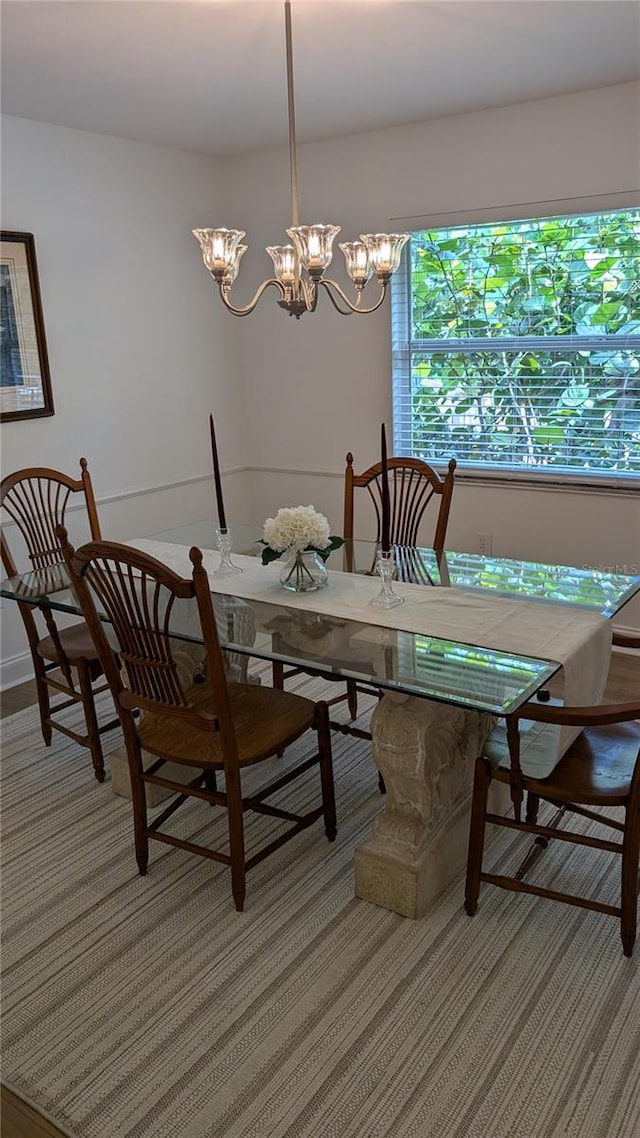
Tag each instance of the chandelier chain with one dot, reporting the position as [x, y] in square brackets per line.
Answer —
[291, 107]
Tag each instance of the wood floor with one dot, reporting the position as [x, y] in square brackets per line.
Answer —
[21, 1121]
[15, 699]
[18, 1119]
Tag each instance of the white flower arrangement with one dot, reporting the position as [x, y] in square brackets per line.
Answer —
[295, 529]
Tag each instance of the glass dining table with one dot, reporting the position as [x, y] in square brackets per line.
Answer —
[451, 671]
[449, 662]
[591, 589]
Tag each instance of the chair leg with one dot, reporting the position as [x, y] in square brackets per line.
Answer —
[382, 786]
[352, 699]
[326, 771]
[43, 700]
[533, 805]
[540, 843]
[481, 783]
[278, 682]
[629, 885]
[210, 782]
[138, 800]
[236, 838]
[93, 731]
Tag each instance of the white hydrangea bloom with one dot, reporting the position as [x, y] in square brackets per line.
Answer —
[296, 528]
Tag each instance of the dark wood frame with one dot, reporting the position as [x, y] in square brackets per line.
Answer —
[601, 768]
[215, 726]
[27, 241]
[35, 500]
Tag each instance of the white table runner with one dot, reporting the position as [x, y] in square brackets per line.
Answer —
[580, 641]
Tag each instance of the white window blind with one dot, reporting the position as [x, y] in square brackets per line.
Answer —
[516, 346]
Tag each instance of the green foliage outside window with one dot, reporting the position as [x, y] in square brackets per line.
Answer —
[524, 344]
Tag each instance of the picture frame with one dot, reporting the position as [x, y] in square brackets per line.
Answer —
[25, 380]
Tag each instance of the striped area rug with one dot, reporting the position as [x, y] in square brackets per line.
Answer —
[148, 1008]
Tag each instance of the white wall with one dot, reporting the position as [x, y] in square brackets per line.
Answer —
[139, 350]
[321, 386]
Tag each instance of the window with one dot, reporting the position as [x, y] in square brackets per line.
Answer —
[516, 346]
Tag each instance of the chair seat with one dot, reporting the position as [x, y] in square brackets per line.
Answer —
[596, 770]
[76, 644]
[265, 719]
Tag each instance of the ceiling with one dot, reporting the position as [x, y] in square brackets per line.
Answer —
[209, 76]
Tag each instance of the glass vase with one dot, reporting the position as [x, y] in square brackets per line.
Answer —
[303, 572]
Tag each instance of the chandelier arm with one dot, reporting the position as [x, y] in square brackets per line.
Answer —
[331, 286]
[248, 309]
[343, 311]
[310, 293]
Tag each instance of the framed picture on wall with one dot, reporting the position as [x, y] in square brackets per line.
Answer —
[25, 382]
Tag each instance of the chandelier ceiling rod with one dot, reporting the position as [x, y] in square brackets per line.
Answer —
[299, 268]
[291, 109]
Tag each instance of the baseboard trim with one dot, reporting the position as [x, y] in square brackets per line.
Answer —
[15, 670]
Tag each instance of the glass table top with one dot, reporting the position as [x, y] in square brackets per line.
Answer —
[597, 591]
[445, 670]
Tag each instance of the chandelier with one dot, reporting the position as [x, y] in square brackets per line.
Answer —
[299, 268]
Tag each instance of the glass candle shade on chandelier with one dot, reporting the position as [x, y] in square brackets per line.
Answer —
[299, 268]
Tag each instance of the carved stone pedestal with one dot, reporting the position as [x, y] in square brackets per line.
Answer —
[425, 752]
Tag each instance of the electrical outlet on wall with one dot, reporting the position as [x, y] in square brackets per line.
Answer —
[484, 541]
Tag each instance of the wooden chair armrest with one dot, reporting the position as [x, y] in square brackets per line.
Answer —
[580, 716]
[621, 640]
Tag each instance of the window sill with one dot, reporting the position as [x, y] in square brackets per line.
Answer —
[560, 483]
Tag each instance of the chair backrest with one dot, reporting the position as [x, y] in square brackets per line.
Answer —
[36, 500]
[138, 596]
[413, 485]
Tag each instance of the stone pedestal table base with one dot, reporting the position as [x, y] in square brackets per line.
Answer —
[426, 753]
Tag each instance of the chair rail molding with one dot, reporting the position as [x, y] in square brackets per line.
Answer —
[124, 495]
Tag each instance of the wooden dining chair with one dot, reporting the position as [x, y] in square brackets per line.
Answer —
[35, 500]
[213, 727]
[414, 488]
[600, 769]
